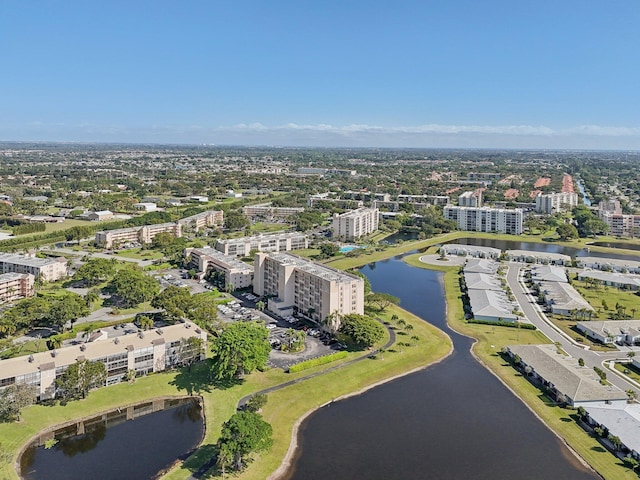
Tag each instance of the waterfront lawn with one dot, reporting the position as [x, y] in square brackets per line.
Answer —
[286, 406]
[560, 420]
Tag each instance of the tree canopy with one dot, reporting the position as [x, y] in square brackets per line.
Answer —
[79, 378]
[95, 271]
[244, 433]
[133, 286]
[174, 300]
[361, 330]
[382, 300]
[13, 398]
[240, 348]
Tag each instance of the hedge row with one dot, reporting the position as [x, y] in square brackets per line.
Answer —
[315, 362]
[524, 326]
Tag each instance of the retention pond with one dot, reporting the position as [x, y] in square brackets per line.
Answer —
[137, 442]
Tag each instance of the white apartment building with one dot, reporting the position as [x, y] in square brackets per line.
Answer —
[556, 202]
[210, 218]
[47, 269]
[16, 285]
[472, 198]
[151, 351]
[144, 234]
[276, 242]
[316, 290]
[486, 219]
[355, 224]
[236, 272]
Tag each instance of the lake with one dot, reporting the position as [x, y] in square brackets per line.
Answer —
[454, 420]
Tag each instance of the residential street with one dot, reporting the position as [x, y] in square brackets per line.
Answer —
[536, 316]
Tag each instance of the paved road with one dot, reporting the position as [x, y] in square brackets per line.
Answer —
[536, 316]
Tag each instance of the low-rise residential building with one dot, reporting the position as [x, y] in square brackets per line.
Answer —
[486, 219]
[611, 279]
[556, 202]
[355, 224]
[275, 242]
[199, 198]
[470, 251]
[482, 281]
[294, 283]
[100, 216]
[481, 265]
[268, 213]
[562, 299]
[236, 272]
[609, 264]
[147, 352]
[144, 234]
[565, 378]
[47, 269]
[548, 273]
[492, 306]
[210, 218]
[620, 332]
[545, 258]
[146, 206]
[14, 286]
[620, 420]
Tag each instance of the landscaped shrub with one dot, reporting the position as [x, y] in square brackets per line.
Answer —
[314, 362]
[524, 326]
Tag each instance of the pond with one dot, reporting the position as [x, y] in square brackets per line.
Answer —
[136, 442]
[623, 245]
[452, 420]
[542, 247]
[400, 236]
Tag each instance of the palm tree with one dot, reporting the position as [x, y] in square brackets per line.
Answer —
[260, 306]
[409, 327]
[631, 393]
[630, 355]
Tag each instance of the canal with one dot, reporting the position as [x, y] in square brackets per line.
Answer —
[452, 420]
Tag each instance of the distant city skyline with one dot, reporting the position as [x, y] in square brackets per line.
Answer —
[410, 73]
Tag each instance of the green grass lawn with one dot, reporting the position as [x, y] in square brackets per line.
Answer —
[611, 296]
[68, 223]
[629, 370]
[283, 409]
[140, 254]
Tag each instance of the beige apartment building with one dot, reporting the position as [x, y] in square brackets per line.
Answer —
[47, 269]
[236, 272]
[556, 202]
[144, 234]
[148, 352]
[14, 286]
[294, 283]
[355, 224]
[276, 242]
[210, 218]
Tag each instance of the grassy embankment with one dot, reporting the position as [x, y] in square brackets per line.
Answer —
[284, 408]
[487, 350]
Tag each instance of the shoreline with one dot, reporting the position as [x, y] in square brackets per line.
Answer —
[293, 445]
[576, 455]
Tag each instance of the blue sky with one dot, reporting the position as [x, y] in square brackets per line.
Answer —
[429, 73]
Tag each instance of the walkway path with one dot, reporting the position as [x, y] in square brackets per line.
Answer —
[392, 338]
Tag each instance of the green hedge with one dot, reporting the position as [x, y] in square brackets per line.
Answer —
[314, 362]
[524, 326]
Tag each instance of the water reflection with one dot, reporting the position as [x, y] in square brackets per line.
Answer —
[129, 443]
